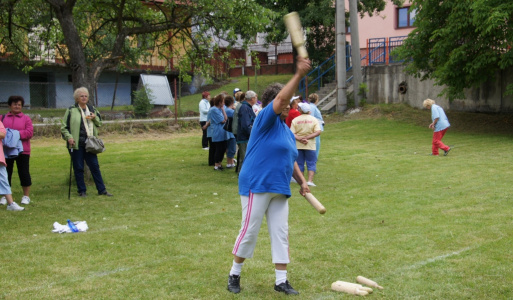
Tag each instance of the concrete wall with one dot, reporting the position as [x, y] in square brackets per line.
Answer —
[384, 81]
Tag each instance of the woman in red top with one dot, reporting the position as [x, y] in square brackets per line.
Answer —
[293, 113]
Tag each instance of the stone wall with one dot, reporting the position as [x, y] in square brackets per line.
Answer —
[384, 81]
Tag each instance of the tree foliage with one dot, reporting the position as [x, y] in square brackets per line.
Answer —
[459, 43]
[318, 19]
[93, 35]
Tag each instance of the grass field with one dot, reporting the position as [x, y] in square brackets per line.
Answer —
[423, 227]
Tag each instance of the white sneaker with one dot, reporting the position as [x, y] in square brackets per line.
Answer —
[292, 180]
[15, 207]
[310, 183]
[206, 148]
[25, 200]
[3, 201]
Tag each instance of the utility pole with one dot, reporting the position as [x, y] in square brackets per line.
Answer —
[341, 55]
[355, 53]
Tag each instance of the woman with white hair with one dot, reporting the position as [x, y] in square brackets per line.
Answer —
[78, 120]
[439, 125]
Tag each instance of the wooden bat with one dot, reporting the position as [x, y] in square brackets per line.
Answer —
[368, 282]
[350, 288]
[295, 30]
[315, 203]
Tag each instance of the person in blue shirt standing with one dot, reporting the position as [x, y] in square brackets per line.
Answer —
[264, 182]
[313, 99]
[439, 125]
[219, 135]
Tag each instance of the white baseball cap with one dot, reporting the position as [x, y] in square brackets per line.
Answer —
[294, 98]
[305, 107]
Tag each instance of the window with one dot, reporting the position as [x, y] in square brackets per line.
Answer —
[405, 17]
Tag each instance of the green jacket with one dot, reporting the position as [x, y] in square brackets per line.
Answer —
[70, 124]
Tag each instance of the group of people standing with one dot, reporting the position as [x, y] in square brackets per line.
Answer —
[226, 122]
[80, 121]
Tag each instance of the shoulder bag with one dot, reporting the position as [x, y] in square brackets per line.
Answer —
[93, 144]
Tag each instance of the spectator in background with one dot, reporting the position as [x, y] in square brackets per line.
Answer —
[5, 188]
[439, 125]
[235, 91]
[78, 120]
[231, 145]
[15, 119]
[305, 128]
[246, 116]
[204, 107]
[219, 135]
[207, 127]
[293, 113]
[239, 96]
[316, 113]
[257, 107]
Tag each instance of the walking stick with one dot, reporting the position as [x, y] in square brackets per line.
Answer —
[70, 168]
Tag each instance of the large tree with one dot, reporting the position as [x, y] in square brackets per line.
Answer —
[318, 19]
[91, 36]
[459, 43]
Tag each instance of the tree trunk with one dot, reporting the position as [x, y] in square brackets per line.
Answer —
[80, 74]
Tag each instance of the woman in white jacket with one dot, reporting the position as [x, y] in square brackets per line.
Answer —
[204, 106]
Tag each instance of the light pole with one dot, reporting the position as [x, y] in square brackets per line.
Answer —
[341, 55]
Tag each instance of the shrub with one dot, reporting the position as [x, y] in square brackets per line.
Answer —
[142, 102]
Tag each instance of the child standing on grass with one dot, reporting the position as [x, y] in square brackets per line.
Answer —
[5, 188]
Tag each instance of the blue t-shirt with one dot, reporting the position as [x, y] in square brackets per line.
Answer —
[317, 114]
[438, 113]
[270, 156]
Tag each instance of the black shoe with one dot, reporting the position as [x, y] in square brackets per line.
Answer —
[447, 152]
[286, 288]
[234, 283]
[105, 193]
[82, 194]
[218, 169]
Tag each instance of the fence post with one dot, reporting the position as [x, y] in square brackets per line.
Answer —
[386, 51]
[368, 53]
[176, 104]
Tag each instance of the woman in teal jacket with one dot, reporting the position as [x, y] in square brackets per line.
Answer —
[78, 120]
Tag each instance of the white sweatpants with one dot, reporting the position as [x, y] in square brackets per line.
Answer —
[276, 210]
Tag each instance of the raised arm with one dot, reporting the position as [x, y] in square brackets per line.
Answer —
[282, 100]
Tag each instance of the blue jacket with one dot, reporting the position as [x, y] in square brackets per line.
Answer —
[245, 120]
[12, 143]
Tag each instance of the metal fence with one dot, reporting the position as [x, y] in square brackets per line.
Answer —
[380, 50]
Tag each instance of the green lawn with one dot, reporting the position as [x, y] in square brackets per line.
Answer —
[422, 227]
